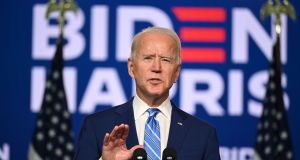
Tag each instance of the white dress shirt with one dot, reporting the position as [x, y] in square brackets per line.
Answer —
[163, 117]
[141, 116]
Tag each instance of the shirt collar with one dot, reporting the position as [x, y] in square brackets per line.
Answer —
[140, 107]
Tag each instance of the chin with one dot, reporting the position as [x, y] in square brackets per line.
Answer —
[156, 93]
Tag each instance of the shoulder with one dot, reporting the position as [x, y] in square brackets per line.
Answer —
[194, 122]
[108, 114]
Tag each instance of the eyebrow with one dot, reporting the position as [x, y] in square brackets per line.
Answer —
[161, 56]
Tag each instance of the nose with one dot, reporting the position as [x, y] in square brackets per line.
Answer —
[156, 66]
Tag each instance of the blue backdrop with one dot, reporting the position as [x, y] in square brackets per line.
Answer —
[225, 86]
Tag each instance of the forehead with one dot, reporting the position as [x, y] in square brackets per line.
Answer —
[156, 40]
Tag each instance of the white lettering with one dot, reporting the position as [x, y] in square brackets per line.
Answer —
[43, 31]
[99, 30]
[244, 25]
[5, 152]
[38, 80]
[235, 93]
[127, 16]
[235, 153]
[208, 98]
[96, 95]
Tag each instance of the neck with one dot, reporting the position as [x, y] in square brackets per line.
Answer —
[153, 101]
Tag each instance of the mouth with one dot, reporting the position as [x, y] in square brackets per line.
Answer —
[155, 81]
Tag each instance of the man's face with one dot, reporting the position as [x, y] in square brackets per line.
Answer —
[154, 67]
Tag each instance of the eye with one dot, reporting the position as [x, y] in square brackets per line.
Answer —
[147, 58]
[167, 59]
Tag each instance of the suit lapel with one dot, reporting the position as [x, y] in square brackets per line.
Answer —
[178, 129]
[127, 117]
[177, 132]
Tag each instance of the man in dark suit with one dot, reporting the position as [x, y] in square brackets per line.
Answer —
[149, 120]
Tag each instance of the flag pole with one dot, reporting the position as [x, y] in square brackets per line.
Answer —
[280, 7]
[277, 8]
[273, 139]
[53, 135]
[61, 7]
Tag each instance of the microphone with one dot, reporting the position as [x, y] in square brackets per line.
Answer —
[139, 154]
[169, 154]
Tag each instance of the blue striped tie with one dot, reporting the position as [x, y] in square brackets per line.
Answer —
[152, 135]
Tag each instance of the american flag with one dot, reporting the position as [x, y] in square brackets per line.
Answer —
[53, 136]
[273, 141]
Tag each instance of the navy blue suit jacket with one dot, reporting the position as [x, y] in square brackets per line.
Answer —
[193, 139]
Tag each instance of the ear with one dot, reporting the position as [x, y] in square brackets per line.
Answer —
[130, 67]
[178, 69]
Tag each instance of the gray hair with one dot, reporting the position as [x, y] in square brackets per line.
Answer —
[165, 31]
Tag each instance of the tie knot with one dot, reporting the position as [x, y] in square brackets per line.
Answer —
[152, 111]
